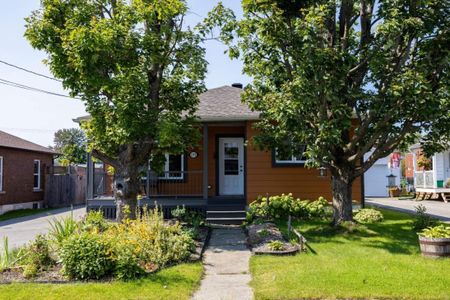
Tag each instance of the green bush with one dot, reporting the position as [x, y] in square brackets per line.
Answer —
[37, 256]
[368, 215]
[281, 206]
[191, 217]
[9, 258]
[440, 231]
[61, 229]
[423, 220]
[85, 256]
[94, 220]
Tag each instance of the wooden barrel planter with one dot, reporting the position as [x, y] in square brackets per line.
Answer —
[434, 247]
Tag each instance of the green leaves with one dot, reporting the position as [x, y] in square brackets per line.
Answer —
[137, 68]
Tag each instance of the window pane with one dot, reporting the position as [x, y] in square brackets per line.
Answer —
[283, 156]
[175, 164]
[231, 150]
[36, 167]
[36, 181]
[231, 167]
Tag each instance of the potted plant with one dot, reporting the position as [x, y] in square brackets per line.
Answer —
[435, 241]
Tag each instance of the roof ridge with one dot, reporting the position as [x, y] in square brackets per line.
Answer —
[11, 136]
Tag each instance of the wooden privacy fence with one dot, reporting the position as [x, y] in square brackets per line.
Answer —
[63, 190]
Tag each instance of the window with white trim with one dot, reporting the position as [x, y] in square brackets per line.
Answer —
[173, 167]
[1, 173]
[37, 174]
[290, 158]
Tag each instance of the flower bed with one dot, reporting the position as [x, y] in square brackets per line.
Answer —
[266, 238]
[95, 249]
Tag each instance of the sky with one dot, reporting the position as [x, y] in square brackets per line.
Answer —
[36, 116]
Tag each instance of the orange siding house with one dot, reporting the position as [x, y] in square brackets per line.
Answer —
[226, 170]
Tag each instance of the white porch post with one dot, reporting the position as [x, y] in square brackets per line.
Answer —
[90, 170]
[205, 161]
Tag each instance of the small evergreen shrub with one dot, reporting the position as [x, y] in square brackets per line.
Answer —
[423, 220]
[368, 216]
[437, 232]
[86, 256]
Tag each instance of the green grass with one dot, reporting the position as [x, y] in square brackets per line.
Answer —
[381, 261]
[177, 282]
[21, 213]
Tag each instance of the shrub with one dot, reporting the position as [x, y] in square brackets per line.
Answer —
[281, 206]
[85, 256]
[94, 220]
[191, 217]
[422, 220]
[37, 256]
[440, 231]
[9, 258]
[147, 244]
[368, 215]
[276, 245]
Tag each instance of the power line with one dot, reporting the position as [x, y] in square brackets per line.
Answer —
[30, 88]
[29, 71]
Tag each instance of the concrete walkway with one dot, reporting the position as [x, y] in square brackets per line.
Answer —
[22, 230]
[226, 262]
[437, 209]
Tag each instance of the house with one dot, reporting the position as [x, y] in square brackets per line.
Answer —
[22, 168]
[431, 175]
[227, 171]
[376, 177]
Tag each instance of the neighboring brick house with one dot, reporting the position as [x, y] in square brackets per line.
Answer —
[23, 166]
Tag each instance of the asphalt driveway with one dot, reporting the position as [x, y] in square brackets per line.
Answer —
[437, 209]
[22, 230]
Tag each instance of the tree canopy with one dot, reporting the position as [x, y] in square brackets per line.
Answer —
[71, 144]
[136, 66]
[345, 78]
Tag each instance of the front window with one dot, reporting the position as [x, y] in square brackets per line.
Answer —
[37, 175]
[1, 173]
[287, 157]
[173, 167]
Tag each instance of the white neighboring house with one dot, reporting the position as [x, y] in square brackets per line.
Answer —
[375, 179]
[434, 182]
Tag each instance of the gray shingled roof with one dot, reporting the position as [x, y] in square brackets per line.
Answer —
[224, 104]
[12, 141]
[219, 104]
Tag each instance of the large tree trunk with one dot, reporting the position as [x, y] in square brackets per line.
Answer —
[342, 198]
[126, 189]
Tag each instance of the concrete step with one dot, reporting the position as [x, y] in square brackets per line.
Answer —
[225, 214]
[225, 221]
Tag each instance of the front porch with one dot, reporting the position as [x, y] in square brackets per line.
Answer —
[207, 178]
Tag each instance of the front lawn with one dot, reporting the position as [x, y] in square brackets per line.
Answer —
[177, 282]
[21, 213]
[382, 261]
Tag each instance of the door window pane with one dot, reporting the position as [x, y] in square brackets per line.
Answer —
[231, 150]
[231, 167]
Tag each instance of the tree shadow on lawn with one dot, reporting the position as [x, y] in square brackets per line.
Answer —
[394, 234]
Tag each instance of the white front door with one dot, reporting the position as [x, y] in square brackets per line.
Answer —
[231, 166]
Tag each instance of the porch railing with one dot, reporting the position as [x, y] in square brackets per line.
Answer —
[424, 179]
[174, 184]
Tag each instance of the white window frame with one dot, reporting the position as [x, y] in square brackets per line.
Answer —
[1, 173]
[166, 168]
[38, 174]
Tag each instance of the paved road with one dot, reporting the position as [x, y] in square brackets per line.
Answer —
[226, 262]
[22, 230]
[438, 209]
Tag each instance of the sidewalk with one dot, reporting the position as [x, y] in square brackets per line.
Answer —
[437, 209]
[226, 262]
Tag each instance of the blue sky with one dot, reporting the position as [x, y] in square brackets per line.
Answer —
[36, 116]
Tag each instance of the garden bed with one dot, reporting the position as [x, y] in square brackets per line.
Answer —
[260, 237]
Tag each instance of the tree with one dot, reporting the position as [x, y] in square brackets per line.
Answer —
[71, 144]
[139, 71]
[343, 77]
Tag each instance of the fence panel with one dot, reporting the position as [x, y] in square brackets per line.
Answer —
[64, 190]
